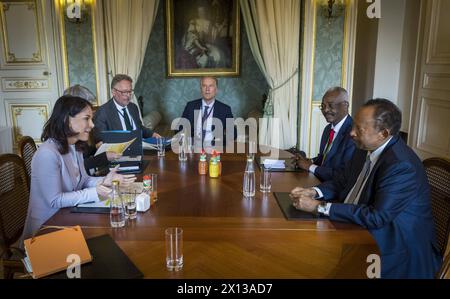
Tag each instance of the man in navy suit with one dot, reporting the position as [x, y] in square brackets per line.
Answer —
[119, 113]
[383, 188]
[203, 114]
[336, 145]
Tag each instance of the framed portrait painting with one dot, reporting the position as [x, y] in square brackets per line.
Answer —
[202, 38]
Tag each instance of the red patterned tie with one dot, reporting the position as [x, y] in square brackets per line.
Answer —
[330, 139]
[327, 148]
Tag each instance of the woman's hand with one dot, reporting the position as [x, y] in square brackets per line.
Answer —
[102, 191]
[124, 180]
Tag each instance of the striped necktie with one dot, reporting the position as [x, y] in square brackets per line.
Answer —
[353, 195]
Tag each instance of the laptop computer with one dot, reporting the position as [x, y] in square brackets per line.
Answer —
[132, 157]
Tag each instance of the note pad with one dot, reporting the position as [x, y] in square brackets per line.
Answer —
[47, 254]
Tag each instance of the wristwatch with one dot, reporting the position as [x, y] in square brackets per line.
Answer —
[322, 208]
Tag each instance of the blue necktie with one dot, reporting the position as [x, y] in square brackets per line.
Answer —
[204, 117]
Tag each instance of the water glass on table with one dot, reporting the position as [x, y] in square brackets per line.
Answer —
[174, 248]
[265, 180]
[129, 201]
[161, 146]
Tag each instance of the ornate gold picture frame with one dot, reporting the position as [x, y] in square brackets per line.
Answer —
[202, 38]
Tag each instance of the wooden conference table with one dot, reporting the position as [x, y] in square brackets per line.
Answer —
[227, 235]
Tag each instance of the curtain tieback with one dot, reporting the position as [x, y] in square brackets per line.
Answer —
[268, 107]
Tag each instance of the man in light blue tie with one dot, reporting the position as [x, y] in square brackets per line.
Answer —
[203, 113]
[383, 188]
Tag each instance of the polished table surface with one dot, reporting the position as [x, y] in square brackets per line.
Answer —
[227, 235]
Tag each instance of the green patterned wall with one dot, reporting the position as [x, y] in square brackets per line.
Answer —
[169, 96]
[80, 54]
[328, 53]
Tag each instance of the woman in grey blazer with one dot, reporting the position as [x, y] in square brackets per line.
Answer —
[58, 176]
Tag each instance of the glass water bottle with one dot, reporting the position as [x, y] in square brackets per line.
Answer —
[249, 179]
[117, 211]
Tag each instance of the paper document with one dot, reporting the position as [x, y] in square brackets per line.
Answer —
[117, 148]
[128, 168]
[128, 159]
[276, 164]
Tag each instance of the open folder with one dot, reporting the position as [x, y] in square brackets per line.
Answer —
[48, 254]
[117, 148]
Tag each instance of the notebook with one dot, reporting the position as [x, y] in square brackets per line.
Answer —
[47, 254]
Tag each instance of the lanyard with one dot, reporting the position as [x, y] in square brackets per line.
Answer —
[129, 117]
[209, 113]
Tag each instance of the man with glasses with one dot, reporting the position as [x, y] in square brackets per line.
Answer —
[336, 146]
[119, 113]
[385, 190]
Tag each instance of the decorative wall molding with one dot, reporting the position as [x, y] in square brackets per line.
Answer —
[438, 81]
[28, 120]
[24, 84]
[438, 48]
[434, 122]
[21, 33]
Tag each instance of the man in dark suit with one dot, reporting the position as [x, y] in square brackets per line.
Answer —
[203, 113]
[336, 145]
[119, 113]
[383, 188]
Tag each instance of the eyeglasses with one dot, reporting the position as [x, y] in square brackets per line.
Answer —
[125, 92]
[331, 106]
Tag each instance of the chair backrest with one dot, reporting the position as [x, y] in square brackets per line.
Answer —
[444, 272]
[438, 173]
[27, 149]
[141, 105]
[14, 199]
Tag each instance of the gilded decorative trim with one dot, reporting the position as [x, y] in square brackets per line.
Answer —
[12, 84]
[64, 45]
[234, 70]
[16, 110]
[10, 57]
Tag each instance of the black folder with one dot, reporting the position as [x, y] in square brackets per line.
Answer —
[108, 261]
[134, 150]
[89, 210]
[291, 213]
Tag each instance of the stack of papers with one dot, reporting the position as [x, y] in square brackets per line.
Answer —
[117, 148]
[275, 164]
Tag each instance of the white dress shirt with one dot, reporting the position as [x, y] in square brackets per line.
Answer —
[336, 130]
[373, 156]
[121, 117]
